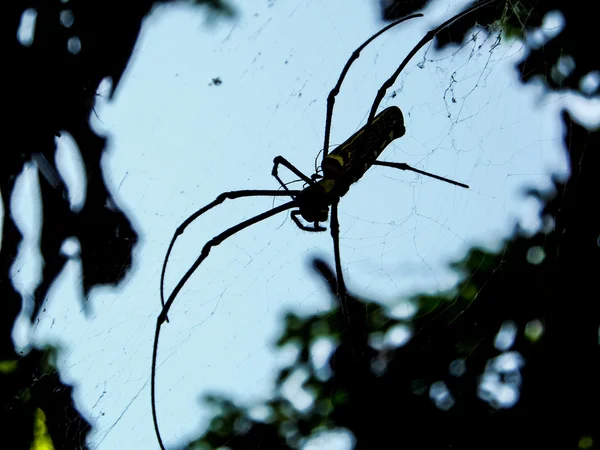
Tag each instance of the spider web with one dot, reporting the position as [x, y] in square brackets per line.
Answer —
[179, 139]
[476, 132]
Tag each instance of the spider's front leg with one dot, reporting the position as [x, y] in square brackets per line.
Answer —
[314, 228]
[316, 177]
[280, 160]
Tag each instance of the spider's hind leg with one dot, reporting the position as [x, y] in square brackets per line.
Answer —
[280, 160]
[404, 166]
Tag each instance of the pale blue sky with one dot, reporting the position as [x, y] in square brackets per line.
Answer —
[176, 141]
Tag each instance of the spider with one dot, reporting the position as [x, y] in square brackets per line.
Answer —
[323, 190]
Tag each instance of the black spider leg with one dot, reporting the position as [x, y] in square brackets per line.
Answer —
[220, 199]
[314, 228]
[428, 37]
[404, 166]
[335, 232]
[335, 235]
[336, 90]
[280, 160]
[203, 255]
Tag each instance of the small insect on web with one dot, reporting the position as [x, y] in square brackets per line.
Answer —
[323, 190]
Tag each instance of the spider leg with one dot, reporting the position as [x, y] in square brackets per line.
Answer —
[315, 228]
[335, 235]
[220, 199]
[280, 160]
[203, 255]
[336, 90]
[428, 37]
[316, 176]
[404, 166]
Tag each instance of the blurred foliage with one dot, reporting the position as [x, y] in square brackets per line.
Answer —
[41, 437]
[50, 90]
[521, 323]
[37, 407]
[562, 62]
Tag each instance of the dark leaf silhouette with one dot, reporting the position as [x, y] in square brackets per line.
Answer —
[55, 56]
[560, 59]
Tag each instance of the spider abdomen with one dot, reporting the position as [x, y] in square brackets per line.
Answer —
[349, 161]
